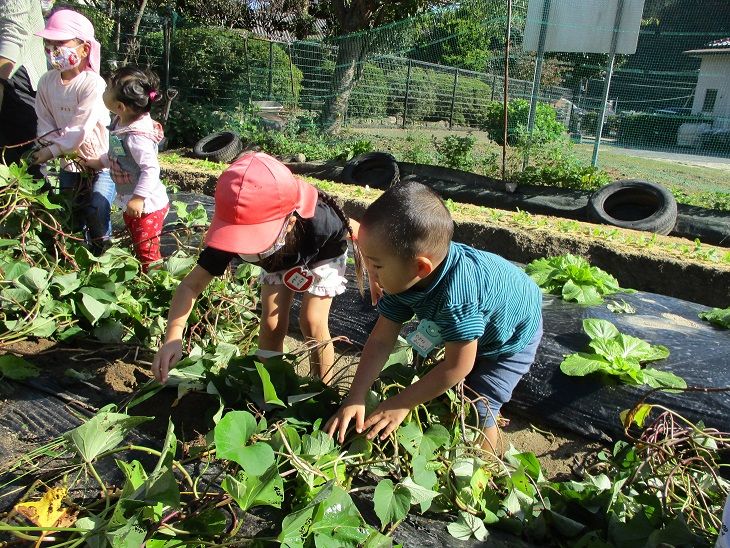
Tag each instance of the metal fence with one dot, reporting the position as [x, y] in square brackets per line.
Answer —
[676, 106]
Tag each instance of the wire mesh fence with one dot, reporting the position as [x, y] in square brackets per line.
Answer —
[673, 94]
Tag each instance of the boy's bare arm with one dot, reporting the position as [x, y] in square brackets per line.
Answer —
[457, 364]
[376, 352]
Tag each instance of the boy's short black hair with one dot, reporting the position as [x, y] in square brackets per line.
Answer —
[412, 220]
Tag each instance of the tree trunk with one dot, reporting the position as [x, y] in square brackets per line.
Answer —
[345, 76]
[133, 43]
[353, 16]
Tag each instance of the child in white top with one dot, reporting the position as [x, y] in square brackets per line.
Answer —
[132, 157]
[71, 114]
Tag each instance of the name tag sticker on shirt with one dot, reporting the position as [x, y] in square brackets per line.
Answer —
[298, 279]
[425, 338]
[115, 146]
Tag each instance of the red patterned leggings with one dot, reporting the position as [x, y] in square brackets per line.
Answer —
[145, 232]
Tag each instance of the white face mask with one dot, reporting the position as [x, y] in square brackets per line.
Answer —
[63, 57]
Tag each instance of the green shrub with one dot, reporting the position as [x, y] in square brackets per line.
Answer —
[368, 98]
[651, 129]
[456, 152]
[211, 62]
[190, 122]
[518, 110]
[422, 98]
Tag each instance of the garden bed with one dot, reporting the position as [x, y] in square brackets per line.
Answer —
[669, 266]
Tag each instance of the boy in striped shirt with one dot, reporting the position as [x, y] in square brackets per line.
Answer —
[486, 312]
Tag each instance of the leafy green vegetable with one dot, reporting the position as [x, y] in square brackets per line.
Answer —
[717, 316]
[620, 355]
[573, 278]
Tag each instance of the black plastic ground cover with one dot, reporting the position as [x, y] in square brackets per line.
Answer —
[590, 406]
[709, 226]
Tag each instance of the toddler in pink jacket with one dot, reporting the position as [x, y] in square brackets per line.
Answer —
[132, 159]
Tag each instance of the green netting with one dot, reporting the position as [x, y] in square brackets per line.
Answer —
[445, 67]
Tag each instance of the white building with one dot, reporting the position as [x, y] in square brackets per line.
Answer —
[712, 94]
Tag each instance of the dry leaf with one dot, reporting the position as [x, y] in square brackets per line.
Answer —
[47, 512]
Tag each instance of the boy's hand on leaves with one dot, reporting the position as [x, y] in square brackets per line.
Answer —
[166, 358]
[385, 419]
[135, 206]
[339, 422]
[41, 156]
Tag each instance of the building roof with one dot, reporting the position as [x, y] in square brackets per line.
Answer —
[716, 46]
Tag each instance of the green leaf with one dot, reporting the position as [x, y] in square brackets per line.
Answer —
[663, 379]
[109, 331]
[581, 293]
[468, 526]
[581, 364]
[391, 503]
[409, 435]
[717, 316]
[35, 279]
[179, 266]
[330, 517]
[419, 495]
[16, 368]
[92, 308]
[206, 523]
[231, 436]
[599, 329]
[402, 354]
[436, 437]
[270, 395]
[131, 535]
[249, 491]
[566, 526]
[102, 432]
[422, 474]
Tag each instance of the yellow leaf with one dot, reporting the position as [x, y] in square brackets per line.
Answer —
[46, 512]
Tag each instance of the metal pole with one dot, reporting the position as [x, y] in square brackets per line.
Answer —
[167, 38]
[537, 76]
[506, 88]
[248, 68]
[453, 97]
[291, 76]
[408, 90]
[271, 70]
[607, 83]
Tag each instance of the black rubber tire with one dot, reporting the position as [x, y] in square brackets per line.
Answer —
[223, 146]
[634, 204]
[375, 169]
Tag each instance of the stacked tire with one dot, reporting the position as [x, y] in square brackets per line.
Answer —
[222, 147]
[375, 169]
[634, 204]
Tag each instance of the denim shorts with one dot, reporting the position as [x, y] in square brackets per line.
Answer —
[494, 378]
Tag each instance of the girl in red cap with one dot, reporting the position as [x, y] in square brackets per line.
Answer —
[71, 113]
[295, 233]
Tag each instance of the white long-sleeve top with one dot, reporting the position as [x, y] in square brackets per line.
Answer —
[19, 19]
[77, 109]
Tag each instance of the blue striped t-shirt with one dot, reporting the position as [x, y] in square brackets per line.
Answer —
[474, 295]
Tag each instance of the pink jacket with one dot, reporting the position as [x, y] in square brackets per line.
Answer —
[132, 159]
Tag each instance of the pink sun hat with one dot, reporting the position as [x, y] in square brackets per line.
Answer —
[69, 24]
[253, 199]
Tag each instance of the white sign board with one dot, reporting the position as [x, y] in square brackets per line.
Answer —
[583, 25]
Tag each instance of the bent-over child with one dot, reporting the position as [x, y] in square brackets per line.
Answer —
[71, 113]
[486, 312]
[132, 158]
[295, 233]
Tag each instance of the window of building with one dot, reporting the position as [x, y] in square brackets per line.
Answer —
[709, 103]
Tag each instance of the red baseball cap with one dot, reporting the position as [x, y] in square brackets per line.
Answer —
[253, 197]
